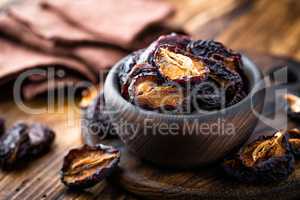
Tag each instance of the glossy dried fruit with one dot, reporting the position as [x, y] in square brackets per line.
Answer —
[160, 97]
[294, 140]
[293, 108]
[96, 121]
[215, 51]
[264, 160]
[125, 71]
[140, 75]
[176, 59]
[23, 142]
[178, 67]
[207, 95]
[86, 166]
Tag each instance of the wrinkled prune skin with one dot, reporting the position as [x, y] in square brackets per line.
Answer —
[24, 142]
[125, 71]
[176, 59]
[180, 68]
[264, 160]
[86, 166]
[95, 119]
[293, 106]
[294, 140]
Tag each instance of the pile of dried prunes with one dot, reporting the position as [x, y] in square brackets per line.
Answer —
[176, 73]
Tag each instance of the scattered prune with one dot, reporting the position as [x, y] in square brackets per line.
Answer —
[86, 166]
[95, 119]
[178, 60]
[266, 159]
[294, 140]
[293, 108]
[23, 142]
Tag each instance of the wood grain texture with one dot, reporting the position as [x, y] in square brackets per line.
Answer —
[153, 182]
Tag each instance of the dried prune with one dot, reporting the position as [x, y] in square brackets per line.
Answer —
[294, 140]
[176, 59]
[293, 108]
[264, 160]
[142, 73]
[217, 52]
[124, 71]
[86, 166]
[95, 119]
[178, 67]
[207, 95]
[160, 97]
[23, 142]
[174, 41]
[229, 81]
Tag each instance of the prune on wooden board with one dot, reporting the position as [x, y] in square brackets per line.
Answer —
[95, 119]
[294, 140]
[176, 59]
[264, 160]
[293, 106]
[23, 142]
[86, 166]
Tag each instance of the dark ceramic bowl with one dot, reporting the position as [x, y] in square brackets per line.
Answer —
[184, 140]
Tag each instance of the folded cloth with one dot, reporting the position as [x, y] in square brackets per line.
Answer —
[15, 59]
[96, 57]
[33, 89]
[116, 22]
[45, 34]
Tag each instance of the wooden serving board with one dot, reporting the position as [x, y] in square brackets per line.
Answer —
[148, 181]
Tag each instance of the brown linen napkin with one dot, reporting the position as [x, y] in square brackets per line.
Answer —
[15, 59]
[96, 57]
[116, 22]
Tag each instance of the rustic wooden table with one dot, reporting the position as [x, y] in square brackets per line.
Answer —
[264, 26]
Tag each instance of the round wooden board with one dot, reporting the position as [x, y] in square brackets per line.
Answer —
[152, 182]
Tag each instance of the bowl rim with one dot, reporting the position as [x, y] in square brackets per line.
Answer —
[111, 87]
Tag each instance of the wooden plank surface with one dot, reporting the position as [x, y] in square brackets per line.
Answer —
[263, 25]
